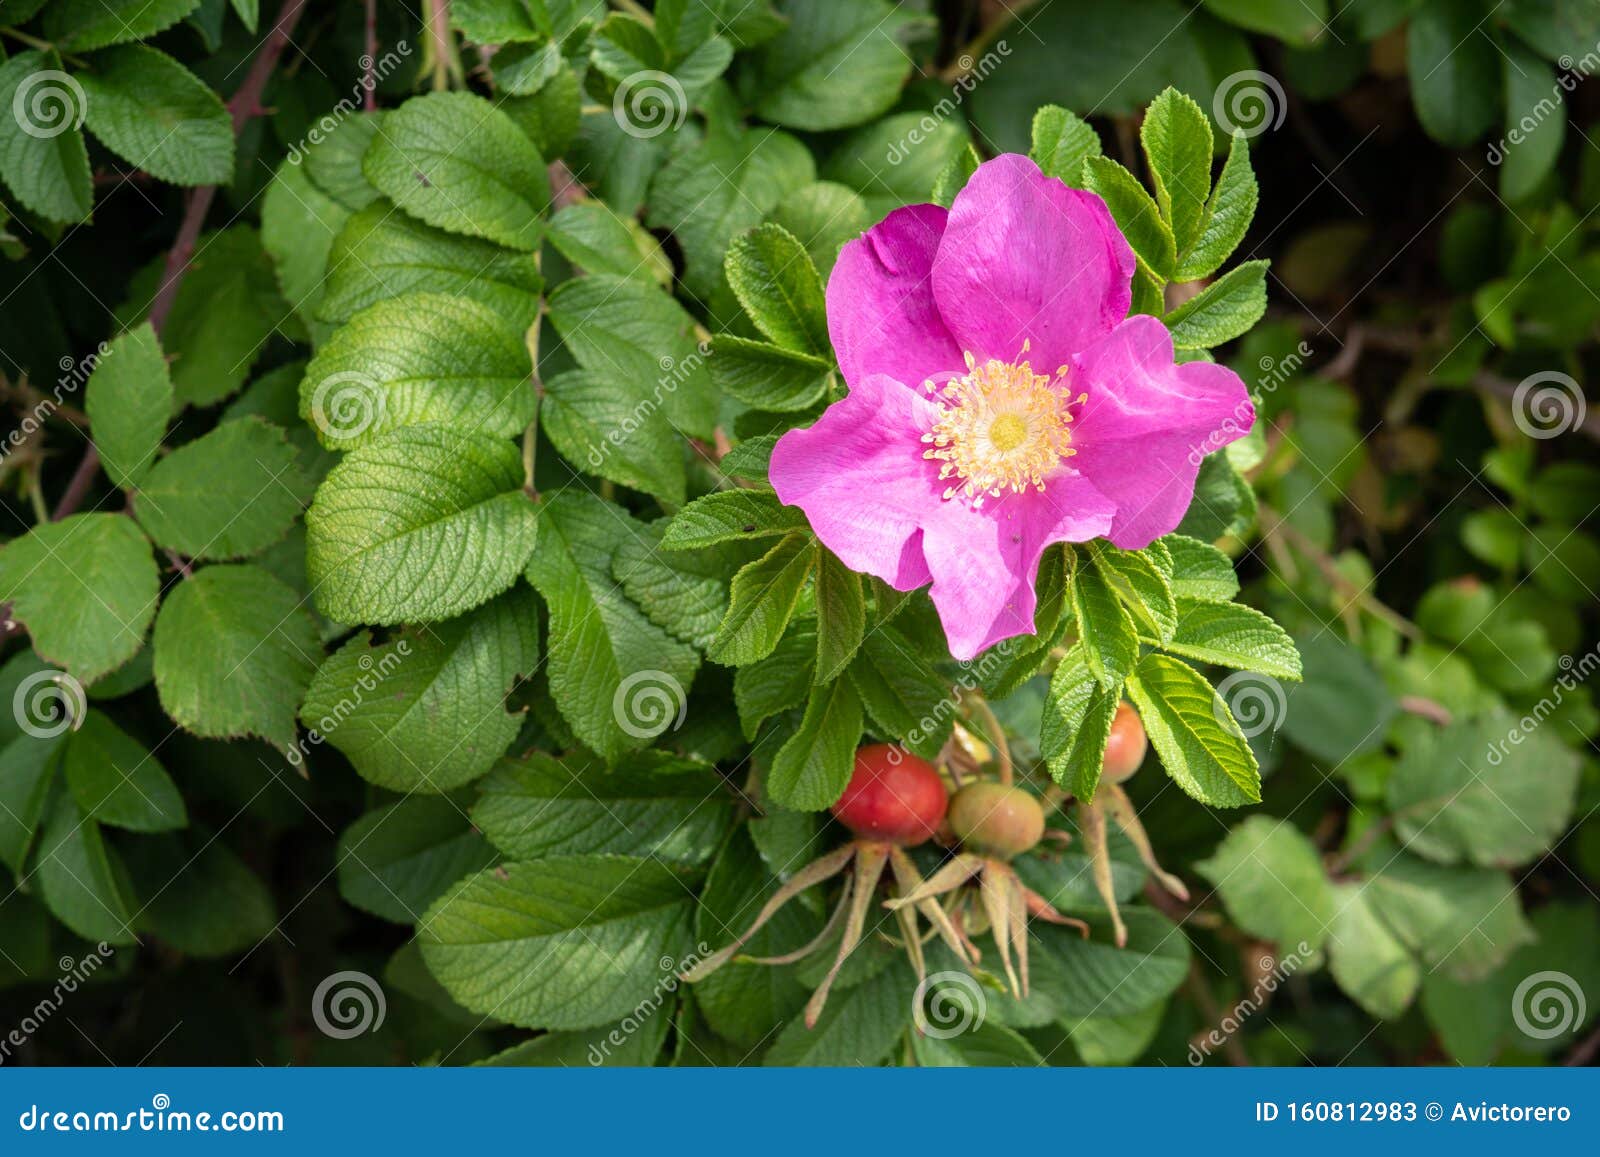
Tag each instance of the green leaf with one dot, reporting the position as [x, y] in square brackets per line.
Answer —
[202, 899]
[1466, 921]
[397, 860]
[381, 254]
[77, 877]
[129, 402]
[1197, 740]
[628, 331]
[158, 116]
[606, 424]
[1077, 723]
[773, 278]
[1223, 310]
[1062, 141]
[824, 216]
[811, 770]
[1533, 98]
[1368, 962]
[333, 159]
[1136, 214]
[79, 25]
[417, 359]
[987, 1045]
[85, 587]
[566, 942]
[1075, 978]
[418, 526]
[954, 177]
[298, 225]
[1231, 635]
[650, 805]
[43, 159]
[1228, 214]
[234, 652]
[1454, 66]
[1200, 571]
[838, 63]
[592, 236]
[1110, 644]
[228, 494]
[860, 1025]
[1177, 144]
[767, 377]
[682, 593]
[841, 616]
[1342, 708]
[904, 696]
[27, 772]
[116, 781]
[780, 681]
[1554, 27]
[1142, 579]
[763, 597]
[1296, 21]
[1273, 884]
[1489, 791]
[424, 711]
[611, 670]
[459, 163]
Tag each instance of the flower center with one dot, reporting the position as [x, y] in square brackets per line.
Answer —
[1004, 427]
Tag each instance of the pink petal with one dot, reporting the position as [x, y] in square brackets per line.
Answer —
[860, 476]
[985, 561]
[1148, 423]
[1026, 258]
[881, 313]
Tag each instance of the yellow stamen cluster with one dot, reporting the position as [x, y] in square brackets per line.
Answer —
[1004, 427]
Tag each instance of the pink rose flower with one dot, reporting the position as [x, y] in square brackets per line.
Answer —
[1000, 400]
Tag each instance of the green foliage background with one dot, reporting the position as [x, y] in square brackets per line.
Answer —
[434, 621]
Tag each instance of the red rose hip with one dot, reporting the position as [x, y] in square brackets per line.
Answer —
[893, 797]
[1126, 745]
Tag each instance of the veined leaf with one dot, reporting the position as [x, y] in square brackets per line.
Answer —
[1190, 728]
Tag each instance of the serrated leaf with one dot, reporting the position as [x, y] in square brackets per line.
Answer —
[1142, 579]
[859, 1026]
[628, 331]
[726, 515]
[1177, 143]
[1078, 711]
[1201, 747]
[1136, 213]
[77, 877]
[197, 897]
[228, 494]
[129, 402]
[1466, 921]
[1272, 882]
[158, 116]
[1228, 214]
[680, 592]
[418, 359]
[610, 667]
[1368, 962]
[397, 860]
[1200, 571]
[592, 236]
[780, 681]
[1223, 310]
[841, 616]
[333, 159]
[1454, 70]
[234, 652]
[1075, 977]
[47, 168]
[425, 711]
[1062, 141]
[767, 377]
[381, 254]
[1232, 635]
[904, 696]
[650, 805]
[85, 587]
[565, 942]
[811, 770]
[763, 596]
[607, 426]
[459, 163]
[837, 63]
[116, 781]
[1111, 646]
[79, 25]
[772, 276]
[298, 225]
[418, 526]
